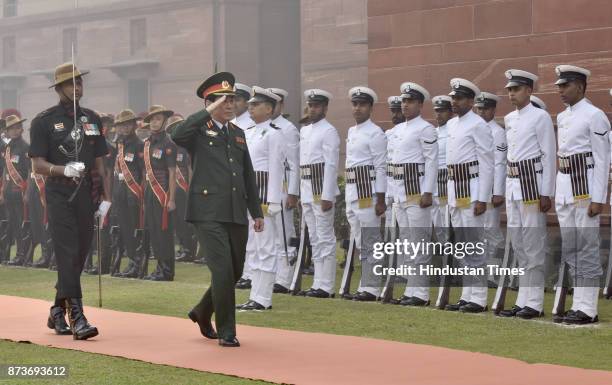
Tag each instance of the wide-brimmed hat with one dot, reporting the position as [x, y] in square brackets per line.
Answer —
[125, 116]
[173, 121]
[157, 109]
[64, 72]
[13, 120]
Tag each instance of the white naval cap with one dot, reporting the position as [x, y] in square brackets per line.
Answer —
[568, 73]
[260, 94]
[486, 100]
[442, 102]
[361, 93]
[412, 90]
[520, 78]
[243, 90]
[396, 101]
[317, 95]
[537, 102]
[280, 92]
[463, 87]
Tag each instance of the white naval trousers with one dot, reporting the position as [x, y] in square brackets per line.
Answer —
[415, 226]
[263, 261]
[527, 230]
[323, 241]
[358, 219]
[580, 250]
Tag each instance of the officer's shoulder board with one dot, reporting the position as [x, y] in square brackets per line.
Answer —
[274, 126]
[45, 113]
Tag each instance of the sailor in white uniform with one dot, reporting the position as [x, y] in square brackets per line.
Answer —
[366, 184]
[529, 189]
[243, 118]
[319, 153]
[443, 112]
[265, 148]
[581, 189]
[486, 105]
[470, 163]
[415, 159]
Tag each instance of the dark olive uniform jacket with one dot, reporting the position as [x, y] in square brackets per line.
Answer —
[223, 185]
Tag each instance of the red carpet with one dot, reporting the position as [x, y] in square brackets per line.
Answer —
[283, 356]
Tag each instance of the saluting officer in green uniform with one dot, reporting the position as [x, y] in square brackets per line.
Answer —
[222, 189]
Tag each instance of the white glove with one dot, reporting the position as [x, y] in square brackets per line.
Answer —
[74, 169]
[274, 209]
[103, 209]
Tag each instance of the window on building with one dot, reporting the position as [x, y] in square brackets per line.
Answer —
[10, 8]
[8, 50]
[138, 35]
[9, 98]
[69, 38]
[138, 94]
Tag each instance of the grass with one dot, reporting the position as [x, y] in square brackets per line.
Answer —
[530, 341]
[92, 369]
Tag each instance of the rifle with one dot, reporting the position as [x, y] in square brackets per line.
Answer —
[296, 282]
[561, 289]
[115, 252]
[500, 294]
[345, 284]
[282, 214]
[4, 241]
[26, 241]
[607, 291]
[141, 253]
[391, 234]
[447, 260]
[99, 238]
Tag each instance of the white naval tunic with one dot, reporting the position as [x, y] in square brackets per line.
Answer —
[244, 121]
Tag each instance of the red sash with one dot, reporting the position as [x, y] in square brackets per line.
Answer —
[158, 190]
[17, 179]
[180, 180]
[40, 184]
[131, 183]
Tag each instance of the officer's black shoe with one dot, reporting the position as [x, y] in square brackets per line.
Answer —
[162, 278]
[57, 321]
[511, 312]
[280, 289]
[81, 329]
[42, 263]
[579, 318]
[319, 293]
[206, 327]
[558, 318]
[305, 293]
[364, 296]
[252, 306]
[229, 342]
[243, 284]
[15, 262]
[455, 306]
[414, 301]
[472, 307]
[151, 277]
[349, 296]
[529, 313]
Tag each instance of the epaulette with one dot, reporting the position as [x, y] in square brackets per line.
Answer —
[46, 112]
[248, 128]
[274, 126]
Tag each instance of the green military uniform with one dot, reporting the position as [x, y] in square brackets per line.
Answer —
[222, 188]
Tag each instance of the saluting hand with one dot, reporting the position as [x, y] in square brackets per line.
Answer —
[214, 105]
[258, 226]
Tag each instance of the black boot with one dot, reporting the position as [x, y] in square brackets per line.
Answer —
[81, 329]
[57, 321]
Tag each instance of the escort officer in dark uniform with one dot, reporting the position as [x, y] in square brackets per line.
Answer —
[184, 230]
[67, 152]
[160, 189]
[222, 189]
[129, 174]
[14, 189]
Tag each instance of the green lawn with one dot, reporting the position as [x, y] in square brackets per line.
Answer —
[530, 341]
[93, 369]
